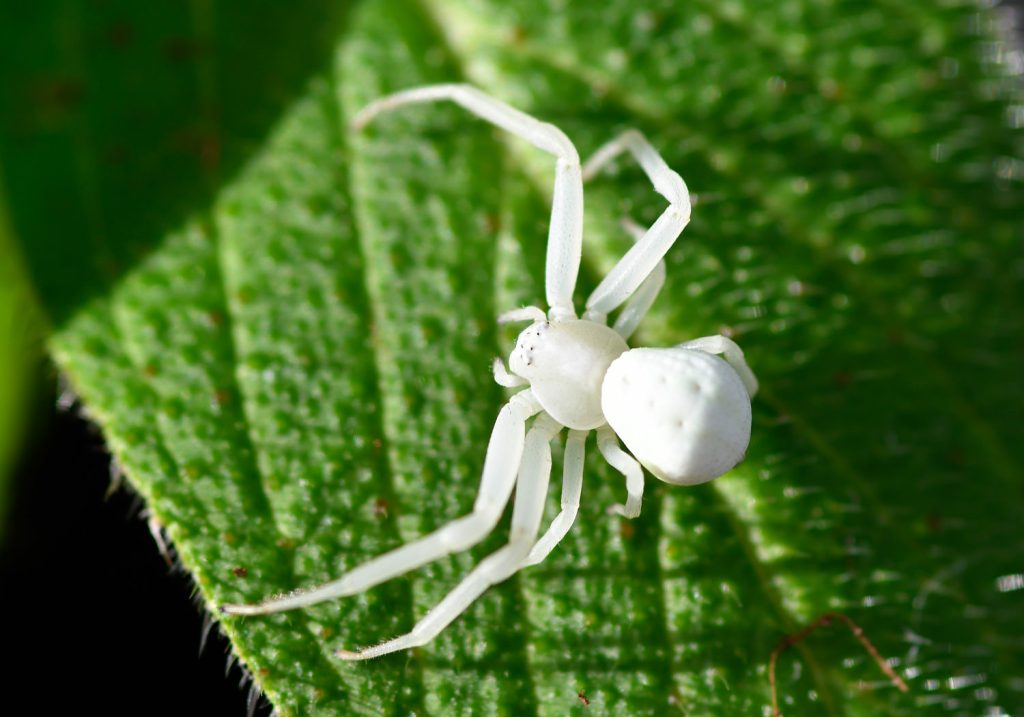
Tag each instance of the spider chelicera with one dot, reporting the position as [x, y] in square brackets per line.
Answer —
[683, 412]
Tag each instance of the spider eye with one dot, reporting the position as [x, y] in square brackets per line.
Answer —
[531, 341]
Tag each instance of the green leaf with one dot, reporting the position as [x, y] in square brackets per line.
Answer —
[284, 329]
[19, 354]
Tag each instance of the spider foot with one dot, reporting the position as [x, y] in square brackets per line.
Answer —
[502, 376]
[629, 510]
[527, 313]
[403, 642]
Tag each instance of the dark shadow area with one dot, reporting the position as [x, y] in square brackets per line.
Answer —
[94, 620]
[118, 120]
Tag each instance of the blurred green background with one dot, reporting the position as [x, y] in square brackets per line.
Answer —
[283, 331]
[20, 354]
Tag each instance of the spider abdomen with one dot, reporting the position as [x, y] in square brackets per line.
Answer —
[683, 413]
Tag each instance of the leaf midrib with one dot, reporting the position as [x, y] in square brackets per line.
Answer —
[206, 77]
[359, 223]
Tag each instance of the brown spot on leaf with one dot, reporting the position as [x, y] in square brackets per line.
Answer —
[626, 529]
[200, 142]
[240, 572]
[115, 154]
[956, 458]
[831, 89]
[182, 49]
[57, 93]
[209, 148]
[120, 35]
[110, 266]
[491, 222]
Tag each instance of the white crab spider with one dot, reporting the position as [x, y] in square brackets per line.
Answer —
[683, 412]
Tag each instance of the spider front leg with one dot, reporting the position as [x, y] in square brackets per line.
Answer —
[532, 486]
[565, 232]
[504, 453]
[608, 444]
[642, 259]
[643, 298]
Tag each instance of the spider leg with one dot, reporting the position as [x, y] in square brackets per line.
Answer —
[643, 257]
[572, 486]
[527, 313]
[534, 475]
[608, 443]
[666, 182]
[643, 298]
[565, 233]
[504, 453]
[733, 356]
[502, 377]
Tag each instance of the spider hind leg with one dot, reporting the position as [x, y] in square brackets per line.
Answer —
[534, 475]
[504, 454]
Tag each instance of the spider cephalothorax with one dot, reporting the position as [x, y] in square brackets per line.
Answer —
[565, 363]
[683, 412]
